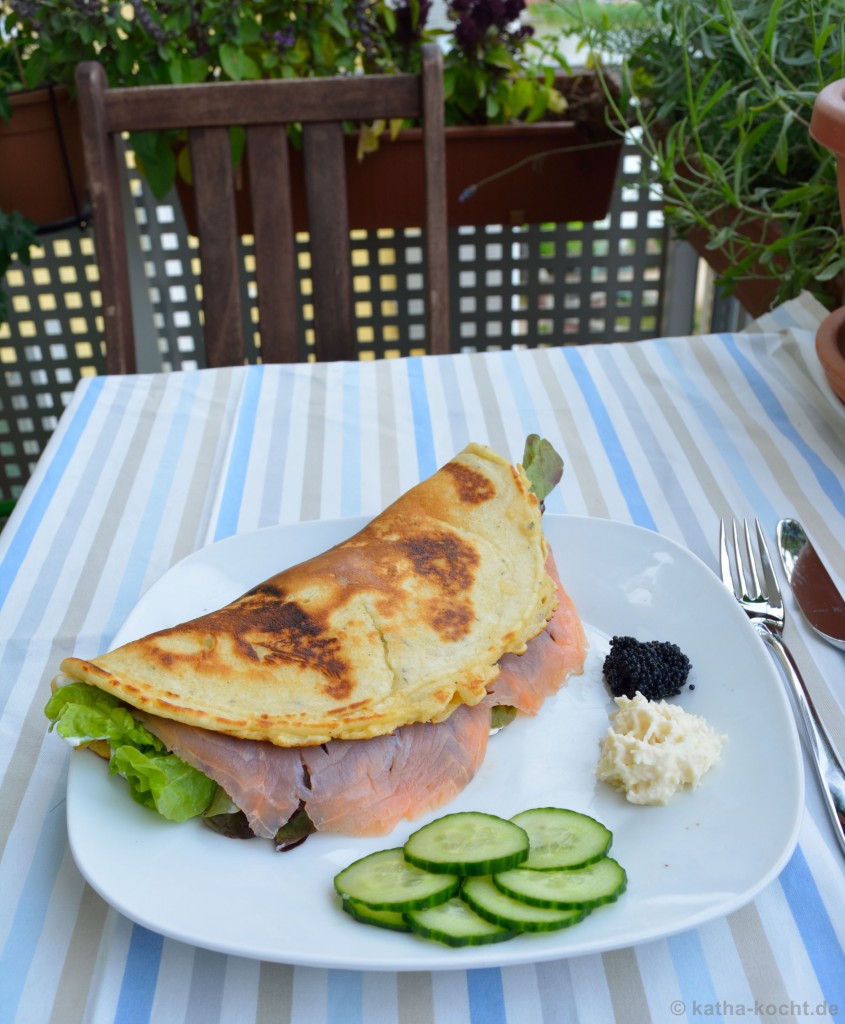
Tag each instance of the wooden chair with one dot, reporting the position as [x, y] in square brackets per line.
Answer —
[264, 109]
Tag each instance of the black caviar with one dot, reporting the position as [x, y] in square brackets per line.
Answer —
[657, 668]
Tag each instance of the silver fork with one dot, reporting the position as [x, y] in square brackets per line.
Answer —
[764, 606]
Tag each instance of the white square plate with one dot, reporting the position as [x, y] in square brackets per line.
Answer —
[701, 856]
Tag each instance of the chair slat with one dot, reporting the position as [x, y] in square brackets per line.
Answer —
[275, 249]
[436, 234]
[211, 166]
[104, 185]
[328, 225]
[354, 98]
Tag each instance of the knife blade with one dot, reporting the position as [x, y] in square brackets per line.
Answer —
[818, 597]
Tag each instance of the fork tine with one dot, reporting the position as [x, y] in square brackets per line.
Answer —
[724, 559]
[740, 571]
[752, 562]
[773, 595]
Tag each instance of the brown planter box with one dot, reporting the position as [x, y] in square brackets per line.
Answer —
[41, 156]
[755, 295]
[548, 179]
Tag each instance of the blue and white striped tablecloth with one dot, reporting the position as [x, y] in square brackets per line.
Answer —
[668, 434]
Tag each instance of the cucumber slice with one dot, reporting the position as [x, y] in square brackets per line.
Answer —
[392, 919]
[456, 924]
[386, 881]
[600, 882]
[562, 839]
[468, 843]
[488, 902]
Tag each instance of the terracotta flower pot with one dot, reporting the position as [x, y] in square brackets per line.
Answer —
[827, 127]
[41, 156]
[830, 347]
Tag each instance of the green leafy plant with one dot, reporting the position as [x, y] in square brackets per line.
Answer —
[155, 42]
[495, 69]
[17, 235]
[721, 94]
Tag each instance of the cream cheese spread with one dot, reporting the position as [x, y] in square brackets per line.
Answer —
[653, 749]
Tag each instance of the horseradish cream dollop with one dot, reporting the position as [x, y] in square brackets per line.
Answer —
[654, 749]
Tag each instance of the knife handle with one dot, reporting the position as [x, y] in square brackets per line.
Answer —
[829, 770]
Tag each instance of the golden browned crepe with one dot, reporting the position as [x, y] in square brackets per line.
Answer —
[401, 623]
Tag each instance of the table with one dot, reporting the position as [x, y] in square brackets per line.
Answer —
[668, 434]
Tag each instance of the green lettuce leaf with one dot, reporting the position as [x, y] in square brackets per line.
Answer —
[84, 714]
[163, 782]
[542, 464]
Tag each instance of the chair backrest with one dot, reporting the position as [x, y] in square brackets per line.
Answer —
[264, 109]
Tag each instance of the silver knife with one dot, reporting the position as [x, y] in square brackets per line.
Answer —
[817, 595]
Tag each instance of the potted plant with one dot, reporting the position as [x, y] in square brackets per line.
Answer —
[525, 142]
[497, 74]
[721, 98]
[527, 138]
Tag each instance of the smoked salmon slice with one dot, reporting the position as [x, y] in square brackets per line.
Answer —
[551, 657]
[366, 787]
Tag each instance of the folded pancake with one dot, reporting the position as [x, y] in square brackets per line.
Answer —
[402, 623]
[367, 788]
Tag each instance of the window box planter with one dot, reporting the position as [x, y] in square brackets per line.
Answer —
[548, 171]
[41, 155]
[755, 293]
